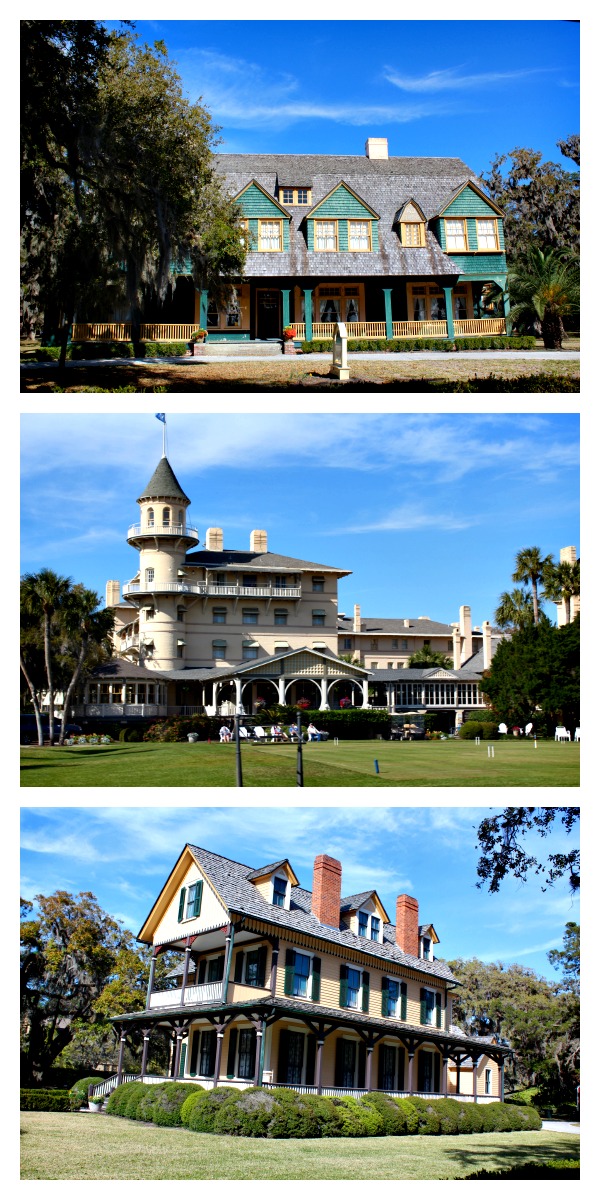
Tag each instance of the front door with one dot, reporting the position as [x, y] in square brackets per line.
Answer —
[268, 323]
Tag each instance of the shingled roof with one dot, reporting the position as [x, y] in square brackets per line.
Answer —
[384, 184]
[164, 485]
[394, 625]
[232, 881]
[256, 560]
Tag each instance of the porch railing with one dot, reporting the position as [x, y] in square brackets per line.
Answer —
[475, 327]
[135, 531]
[131, 587]
[120, 331]
[203, 993]
[487, 327]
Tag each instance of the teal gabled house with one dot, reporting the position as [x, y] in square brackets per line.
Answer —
[394, 246]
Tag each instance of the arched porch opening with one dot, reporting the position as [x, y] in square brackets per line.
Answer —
[345, 689]
[304, 688]
[259, 692]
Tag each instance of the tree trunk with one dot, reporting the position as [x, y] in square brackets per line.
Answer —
[72, 684]
[567, 600]
[34, 701]
[48, 658]
[552, 331]
[64, 338]
[534, 597]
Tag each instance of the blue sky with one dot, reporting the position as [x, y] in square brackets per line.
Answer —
[469, 89]
[123, 855]
[426, 510]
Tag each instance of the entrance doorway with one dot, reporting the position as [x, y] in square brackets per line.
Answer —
[268, 323]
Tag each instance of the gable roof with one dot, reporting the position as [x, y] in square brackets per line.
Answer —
[163, 485]
[393, 625]
[342, 184]
[272, 199]
[264, 560]
[469, 183]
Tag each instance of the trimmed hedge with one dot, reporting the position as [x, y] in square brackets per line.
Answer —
[283, 1113]
[403, 345]
[559, 1168]
[45, 1100]
[484, 729]
[79, 1091]
[162, 349]
[83, 350]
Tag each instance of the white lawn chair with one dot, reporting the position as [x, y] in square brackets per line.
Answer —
[259, 733]
[503, 727]
[528, 728]
[577, 734]
[561, 734]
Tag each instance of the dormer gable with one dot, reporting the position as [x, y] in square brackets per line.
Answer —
[188, 903]
[275, 882]
[411, 224]
[428, 938]
[364, 915]
[255, 201]
[469, 200]
[342, 201]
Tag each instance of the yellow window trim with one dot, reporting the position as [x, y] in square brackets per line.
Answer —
[361, 221]
[295, 202]
[420, 225]
[326, 221]
[455, 221]
[487, 249]
[270, 221]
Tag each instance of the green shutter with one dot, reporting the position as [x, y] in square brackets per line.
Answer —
[423, 1007]
[182, 1058]
[181, 904]
[197, 900]
[365, 991]
[239, 967]
[194, 1052]
[283, 1055]
[233, 1034]
[438, 1013]
[338, 1077]
[384, 996]
[202, 970]
[220, 966]
[316, 980]
[403, 1001]
[311, 1053]
[261, 969]
[288, 980]
[343, 986]
[362, 1064]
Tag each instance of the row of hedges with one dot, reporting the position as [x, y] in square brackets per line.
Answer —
[78, 351]
[47, 1100]
[558, 1168]
[354, 723]
[397, 345]
[283, 1113]
[484, 729]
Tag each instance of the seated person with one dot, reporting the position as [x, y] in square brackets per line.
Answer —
[224, 734]
[277, 733]
[293, 731]
[313, 733]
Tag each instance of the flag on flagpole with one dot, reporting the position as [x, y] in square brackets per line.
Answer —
[161, 417]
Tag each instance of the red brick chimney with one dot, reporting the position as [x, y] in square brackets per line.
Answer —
[407, 924]
[327, 890]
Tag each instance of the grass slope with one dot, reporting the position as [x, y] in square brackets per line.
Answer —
[350, 764]
[85, 1146]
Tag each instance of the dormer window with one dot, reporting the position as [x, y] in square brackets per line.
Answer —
[300, 196]
[375, 928]
[413, 233]
[369, 926]
[426, 943]
[190, 899]
[363, 924]
[280, 887]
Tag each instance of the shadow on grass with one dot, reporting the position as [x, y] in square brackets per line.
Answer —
[82, 755]
[503, 1158]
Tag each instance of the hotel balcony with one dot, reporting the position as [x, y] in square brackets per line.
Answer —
[134, 588]
[187, 533]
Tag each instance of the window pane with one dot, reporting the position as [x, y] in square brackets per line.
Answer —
[455, 235]
[358, 235]
[302, 195]
[270, 235]
[325, 232]
[288, 196]
[301, 974]
[279, 892]
[393, 994]
[375, 928]
[353, 988]
[363, 922]
[246, 1054]
[249, 652]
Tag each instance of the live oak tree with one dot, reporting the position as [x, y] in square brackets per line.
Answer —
[534, 676]
[502, 839]
[539, 200]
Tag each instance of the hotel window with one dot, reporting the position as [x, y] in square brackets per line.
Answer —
[281, 616]
[487, 235]
[393, 998]
[456, 235]
[180, 646]
[326, 235]
[318, 583]
[249, 652]
[304, 195]
[249, 581]
[150, 612]
[180, 517]
[249, 616]
[219, 650]
[219, 616]
[374, 666]
[359, 235]
[390, 666]
[346, 643]
[363, 924]
[270, 235]
[426, 947]
[318, 616]
[180, 614]
[247, 1053]
[413, 233]
[394, 643]
[374, 644]
[283, 581]
[431, 1008]
[354, 988]
[488, 1082]
[212, 313]
[404, 644]
[302, 975]
[293, 195]
[286, 195]
[166, 517]
[150, 518]
[375, 929]
[149, 574]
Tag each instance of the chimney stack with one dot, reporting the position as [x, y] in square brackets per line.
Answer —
[258, 541]
[327, 890]
[456, 648]
[407, 925]
[466, 634]
[487, 645]
[214, 538]
[113, 593]
[376, 148]
[357, 622]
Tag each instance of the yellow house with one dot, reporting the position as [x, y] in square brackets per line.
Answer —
[282, 987]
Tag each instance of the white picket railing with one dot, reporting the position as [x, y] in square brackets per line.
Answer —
[189, 531]
[202, 993]
[133, 587]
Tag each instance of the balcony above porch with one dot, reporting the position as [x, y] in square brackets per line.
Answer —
[187, 533]
[182, 587]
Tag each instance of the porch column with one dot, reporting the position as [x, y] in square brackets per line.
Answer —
[411, 1055]
[281, 689]
[186, 967]
[285, 306]
[203, 308]
[445, 1075]
[319, 1066]
[506, 303]
[219, 1052]
[145, 1051]
[177, 1054]
[502, 1079]
[449, 311]
[458, 1076]
[258, 1057]
[389, 328]
[121, 1056]
[323, 704]
[151, 976]
[475, 1061]
[365, 692]
[214, 693]
[308, 313]
[238, 695]
[368, 1067]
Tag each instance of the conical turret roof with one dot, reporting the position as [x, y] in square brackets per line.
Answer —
[163, 484]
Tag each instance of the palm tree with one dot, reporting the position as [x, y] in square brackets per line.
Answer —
[562, 582]
[85, 630]
[42, 595]
[426, 657]
[529, 568]
[544, 286]
[515, 609]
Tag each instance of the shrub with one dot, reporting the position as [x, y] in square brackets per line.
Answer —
[409, 1114]
[199, 1109]
[449, 1113]
[427, 1115]
[108, 349]
[245, 1114]
[355, 1119]
[118, 1100]
[394, 1121]
[161, 349]
[470, 730]
[558, 1168]
[303, 1117]
[163, 1102]
[79, 1091]
[46, 1100]
[526, 1096]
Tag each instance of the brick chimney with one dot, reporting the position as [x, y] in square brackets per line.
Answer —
[258, 541]
[327, 890]
[214, 539]
[113, 592]
[455, 647]
[376, 148]
[357, 622]
[407, 924]
[487, 644]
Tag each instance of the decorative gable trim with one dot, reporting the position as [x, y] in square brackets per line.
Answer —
[410, 203]
[478, 192]
[341, 184]
[272, 199]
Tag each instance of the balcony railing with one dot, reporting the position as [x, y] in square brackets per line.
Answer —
[187, 531]
[133, 587]
[475, 327]
[120, 331]
[132, 639]
[203, 993]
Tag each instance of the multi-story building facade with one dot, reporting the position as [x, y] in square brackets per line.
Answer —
[393, 246]
[280, 986]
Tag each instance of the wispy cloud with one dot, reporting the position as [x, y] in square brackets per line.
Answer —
[450, 81]
[407, 518]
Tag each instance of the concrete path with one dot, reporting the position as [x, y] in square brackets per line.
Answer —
[560, 1127]
[406, 356]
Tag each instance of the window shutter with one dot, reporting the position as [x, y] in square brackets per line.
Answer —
[384, 998]
[436, 1072]
[339, 1063]
[288, 982]
[197, 900]
[182, 1059]
[194, 1052]
[362, 1064]
[202, 970]
[181, 904]
[261, 966]
[438, 1013]
[239, 966]
[423, 1007]
[343, 988]
[212, 1050]
[316, 980]
[380, 1064]
[311, 1052]
[403, 1001]
[220, 966]
[365, 991]
[283, 1056]
[233, 1035]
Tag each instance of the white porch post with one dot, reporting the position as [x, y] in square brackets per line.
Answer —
[281, 689]
[214, 693]
[238, 695]
[323, 704]
[365, 692]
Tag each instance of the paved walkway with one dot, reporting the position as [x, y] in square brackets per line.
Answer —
[406, 356]
[561, 1127]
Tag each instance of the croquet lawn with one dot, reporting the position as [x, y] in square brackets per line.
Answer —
[349, 764]
[94, 1146]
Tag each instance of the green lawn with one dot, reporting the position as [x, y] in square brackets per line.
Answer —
[350, 764]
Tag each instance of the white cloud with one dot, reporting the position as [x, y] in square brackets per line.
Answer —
[449, 80]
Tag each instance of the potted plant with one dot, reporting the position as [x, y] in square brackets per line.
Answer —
[289, 332]
[303, 703]
[197, 339]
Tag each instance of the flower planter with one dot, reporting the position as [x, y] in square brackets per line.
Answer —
[193, 737]
[94, 1105]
